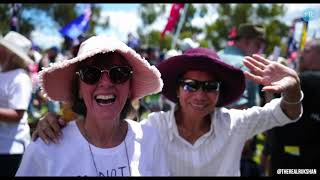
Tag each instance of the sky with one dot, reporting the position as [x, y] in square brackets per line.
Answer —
[124, 18]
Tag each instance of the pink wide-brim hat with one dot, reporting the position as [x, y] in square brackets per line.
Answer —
[202, 59]
[56, 80]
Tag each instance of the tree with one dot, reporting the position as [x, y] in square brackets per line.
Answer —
[60, 14]
[232, 15]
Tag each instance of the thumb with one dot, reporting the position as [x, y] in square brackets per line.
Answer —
[62, 122]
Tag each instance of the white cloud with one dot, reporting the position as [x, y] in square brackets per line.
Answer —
[43, 40]
[120, 23]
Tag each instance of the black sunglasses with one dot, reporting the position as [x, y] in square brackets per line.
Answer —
[191, 85]
[117, 74]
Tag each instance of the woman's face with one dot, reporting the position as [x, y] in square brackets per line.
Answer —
[105, 99]
[197, 103]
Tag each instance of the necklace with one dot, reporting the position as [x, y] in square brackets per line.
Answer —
[94, 162]
[95, 165]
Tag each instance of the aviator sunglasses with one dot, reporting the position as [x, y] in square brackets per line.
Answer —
[191, 85]
[117, 74]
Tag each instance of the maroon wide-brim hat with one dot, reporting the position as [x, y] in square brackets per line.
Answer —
[203, 59]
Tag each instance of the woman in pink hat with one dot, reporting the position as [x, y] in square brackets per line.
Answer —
[99, 83]
[200, 136]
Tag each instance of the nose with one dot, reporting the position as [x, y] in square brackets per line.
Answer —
[105, 79]
[200, 94]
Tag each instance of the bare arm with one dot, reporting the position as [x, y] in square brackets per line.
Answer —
[276, 78]
[11, 115]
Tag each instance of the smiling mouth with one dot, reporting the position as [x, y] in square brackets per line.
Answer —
[105, 99]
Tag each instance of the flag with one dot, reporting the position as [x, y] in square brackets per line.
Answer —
[304, 35]
[173, 18]
[292, 44]
[78, 26]
[231, 36]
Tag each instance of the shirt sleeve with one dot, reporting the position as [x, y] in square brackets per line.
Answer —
[259, 119]
[33, 162]
[20, 93]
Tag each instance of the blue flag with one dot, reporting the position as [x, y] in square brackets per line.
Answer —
[78, 26]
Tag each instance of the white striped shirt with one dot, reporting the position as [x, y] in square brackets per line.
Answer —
[217, 152]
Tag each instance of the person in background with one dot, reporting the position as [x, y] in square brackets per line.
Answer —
[200, 136]
[250, 39]
[297, 146]
[15, 95]
[51, 55]
[99, 84]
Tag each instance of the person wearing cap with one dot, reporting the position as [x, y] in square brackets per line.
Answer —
[200, 136]
[250, 39]
[99, 83]
[15, 94]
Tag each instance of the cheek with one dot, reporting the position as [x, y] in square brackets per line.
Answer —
[124, 90]
[182, 96]
[214, 97]
[85, 92]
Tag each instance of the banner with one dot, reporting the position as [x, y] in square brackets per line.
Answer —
[173, 18]
[292, 44]
[304, 35]
[78, 26]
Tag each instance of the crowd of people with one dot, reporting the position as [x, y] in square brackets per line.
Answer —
[117, 109]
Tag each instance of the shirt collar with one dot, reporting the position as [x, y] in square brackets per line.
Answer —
[173, 129]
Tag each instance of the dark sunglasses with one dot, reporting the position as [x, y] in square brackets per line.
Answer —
[117, 74]
[191, 85]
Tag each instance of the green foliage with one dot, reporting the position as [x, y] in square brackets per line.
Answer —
[235, 14]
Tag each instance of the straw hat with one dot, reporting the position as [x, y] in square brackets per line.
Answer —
[56, 80]
[18, 45]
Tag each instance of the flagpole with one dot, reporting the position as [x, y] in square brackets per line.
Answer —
[181, 21]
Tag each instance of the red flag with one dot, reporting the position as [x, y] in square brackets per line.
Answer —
[173, 18]
[232, 35]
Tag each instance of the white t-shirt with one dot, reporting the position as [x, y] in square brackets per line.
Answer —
[218, 152]
[72, 156]
[15, 93]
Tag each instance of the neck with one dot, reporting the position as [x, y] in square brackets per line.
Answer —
[192, 127]
[103, 135]
[241, 46]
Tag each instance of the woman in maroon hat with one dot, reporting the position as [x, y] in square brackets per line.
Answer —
[200, 136]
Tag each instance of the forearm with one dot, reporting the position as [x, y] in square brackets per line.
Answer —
[11, 115]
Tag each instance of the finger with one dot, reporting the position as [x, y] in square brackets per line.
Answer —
[54, 124]
[253, 68]
[255, 62]
[44, 137]
[62, 122]
[254, 78]
[34, 135]
[271, 89]
[52, 136]
[261, 59]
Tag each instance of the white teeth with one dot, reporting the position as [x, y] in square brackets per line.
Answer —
[198, 105]
[105, 97]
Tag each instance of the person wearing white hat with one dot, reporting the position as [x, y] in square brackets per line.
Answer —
[15, 94]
